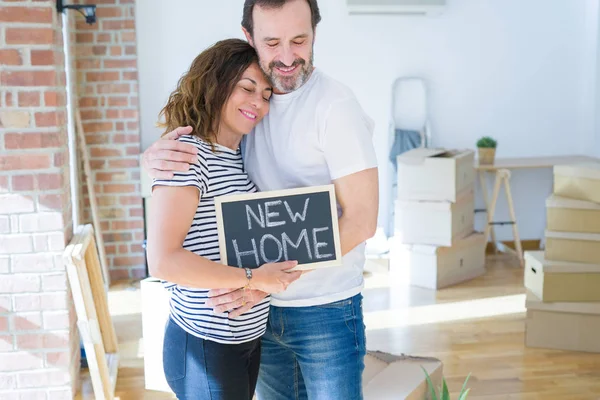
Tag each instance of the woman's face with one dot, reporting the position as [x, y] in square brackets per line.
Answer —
[248, 103]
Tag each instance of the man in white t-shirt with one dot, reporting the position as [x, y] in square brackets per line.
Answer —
[316, 133]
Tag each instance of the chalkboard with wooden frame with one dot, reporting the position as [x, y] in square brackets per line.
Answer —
[293, 224]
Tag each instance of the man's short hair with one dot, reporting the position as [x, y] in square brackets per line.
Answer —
[248, 24]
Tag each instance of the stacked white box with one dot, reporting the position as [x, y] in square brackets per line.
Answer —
[563, 280]
[434, 242]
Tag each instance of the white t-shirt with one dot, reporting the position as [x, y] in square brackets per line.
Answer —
[310, 137]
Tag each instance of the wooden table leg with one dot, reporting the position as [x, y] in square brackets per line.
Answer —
[513, 218]
[484, 189]
[492, 208]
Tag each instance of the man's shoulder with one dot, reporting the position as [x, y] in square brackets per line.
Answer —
[333, 90]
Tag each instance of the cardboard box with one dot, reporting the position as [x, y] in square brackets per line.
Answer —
[571, 246]
[434, 267]
[568, 215]
[561, 281]
[390, 377]
[380, 377]
[562, 326]
[438, 223]
[578, 181]
[434, 174]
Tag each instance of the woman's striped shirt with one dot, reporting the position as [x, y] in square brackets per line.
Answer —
[215, 174]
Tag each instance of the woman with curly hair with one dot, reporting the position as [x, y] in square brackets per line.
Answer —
[207, 354]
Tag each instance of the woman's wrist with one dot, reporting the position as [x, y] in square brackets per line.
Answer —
[249, 277]
[255, 282]
[236, 278]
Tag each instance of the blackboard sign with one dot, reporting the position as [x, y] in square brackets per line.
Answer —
[294, 224]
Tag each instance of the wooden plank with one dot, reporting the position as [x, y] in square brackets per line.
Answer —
[492, 208]
[88, 256]
[513, 218]
[534, 162]
[93, 202]
[484, 191]
[87, 320]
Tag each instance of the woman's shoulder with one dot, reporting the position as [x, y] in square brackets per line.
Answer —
[202, 145]
[192, 139]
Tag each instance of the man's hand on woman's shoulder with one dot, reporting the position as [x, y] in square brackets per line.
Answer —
[168, 155]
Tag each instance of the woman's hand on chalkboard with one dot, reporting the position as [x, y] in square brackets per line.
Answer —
[274, 277]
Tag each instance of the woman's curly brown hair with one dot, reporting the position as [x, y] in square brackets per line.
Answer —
[203, 91]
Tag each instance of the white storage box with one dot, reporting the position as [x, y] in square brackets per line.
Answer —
[155, 314]
[434, 174]
[437, 223]
[568, 215]
[578, 181]
[562, 326]
[571, 246]
[561, 281]
[434, 267]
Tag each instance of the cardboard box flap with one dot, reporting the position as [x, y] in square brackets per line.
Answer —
[443, 205]
[595, 237]
[555, 201]
[534, 303]
[536, 259]
[419, 155]
[402, 376]
[471, 240]
[589, 170]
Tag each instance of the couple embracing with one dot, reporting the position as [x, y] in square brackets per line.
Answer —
[248, 116]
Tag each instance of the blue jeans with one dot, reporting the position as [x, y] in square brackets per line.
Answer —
[314, 353]
[205, 370]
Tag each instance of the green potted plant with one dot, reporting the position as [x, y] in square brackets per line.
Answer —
[486, 147]
[444, 393]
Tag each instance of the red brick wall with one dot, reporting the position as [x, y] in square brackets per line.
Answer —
[107, 80]
[39, 344]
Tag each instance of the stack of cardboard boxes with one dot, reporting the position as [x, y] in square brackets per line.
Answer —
[563, 281]
[434, 242]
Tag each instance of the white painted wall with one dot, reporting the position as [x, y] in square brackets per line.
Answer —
[517, 70]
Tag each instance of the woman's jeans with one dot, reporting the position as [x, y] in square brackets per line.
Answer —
[204, 370]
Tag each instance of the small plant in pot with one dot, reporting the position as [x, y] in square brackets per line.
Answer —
[486, 147]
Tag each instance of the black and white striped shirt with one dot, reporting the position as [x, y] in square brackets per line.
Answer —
[215, 174]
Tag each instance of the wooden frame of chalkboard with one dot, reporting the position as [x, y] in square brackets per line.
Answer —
[335, 260]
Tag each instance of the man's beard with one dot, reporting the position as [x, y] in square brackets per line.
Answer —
[286, 84]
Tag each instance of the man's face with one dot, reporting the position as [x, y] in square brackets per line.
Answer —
[283, 38]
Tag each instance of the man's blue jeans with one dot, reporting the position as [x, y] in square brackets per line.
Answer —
[314, 353]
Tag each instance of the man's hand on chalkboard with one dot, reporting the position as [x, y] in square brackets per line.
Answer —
[168, 155]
